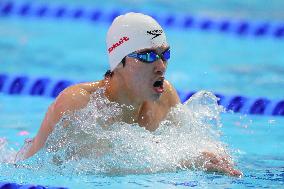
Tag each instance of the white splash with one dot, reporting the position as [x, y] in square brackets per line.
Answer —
[7, 154]
[82, 143]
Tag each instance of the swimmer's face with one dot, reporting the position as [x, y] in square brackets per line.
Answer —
[145, 80]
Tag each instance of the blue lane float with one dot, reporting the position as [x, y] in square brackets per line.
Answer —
[10, 185]
[240, 28]
[24, 85]
[48, 87]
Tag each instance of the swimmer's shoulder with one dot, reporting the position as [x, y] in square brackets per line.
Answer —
[91, 87]
[170, 96]
[76, 96]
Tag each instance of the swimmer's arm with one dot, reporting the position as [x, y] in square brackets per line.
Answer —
[71, 99]
[212, 163]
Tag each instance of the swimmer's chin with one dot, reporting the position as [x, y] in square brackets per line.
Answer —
[155, 97]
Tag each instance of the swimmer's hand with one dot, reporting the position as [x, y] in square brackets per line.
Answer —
[213, 163]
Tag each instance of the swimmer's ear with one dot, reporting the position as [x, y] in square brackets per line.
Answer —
[121, 64]
[108, 74]
[123, 61]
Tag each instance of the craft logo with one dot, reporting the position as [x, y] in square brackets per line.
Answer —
[155, 33]
[121, 41]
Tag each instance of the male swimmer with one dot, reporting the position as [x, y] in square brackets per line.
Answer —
[138, 56]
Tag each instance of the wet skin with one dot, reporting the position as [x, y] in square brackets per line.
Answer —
[131, 84]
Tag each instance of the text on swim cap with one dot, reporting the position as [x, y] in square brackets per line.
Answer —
[155, 33]
[121, 41]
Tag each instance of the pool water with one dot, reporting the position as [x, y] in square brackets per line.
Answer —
[255, 141]
[226, 64]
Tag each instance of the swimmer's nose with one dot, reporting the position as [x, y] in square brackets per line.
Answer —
[160, 66]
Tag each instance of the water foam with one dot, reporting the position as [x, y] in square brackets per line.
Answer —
[7, 154]
[82, 143]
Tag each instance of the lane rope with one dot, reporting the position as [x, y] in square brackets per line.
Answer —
[11, 185]
[49, 87]
[241, 28]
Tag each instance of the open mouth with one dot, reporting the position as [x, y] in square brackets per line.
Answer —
[158, 85]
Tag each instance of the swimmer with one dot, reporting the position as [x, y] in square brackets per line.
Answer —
[138, 56]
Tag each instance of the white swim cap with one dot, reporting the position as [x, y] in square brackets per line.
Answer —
[132, 32]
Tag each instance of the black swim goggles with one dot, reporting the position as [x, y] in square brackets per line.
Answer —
[150, 56]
